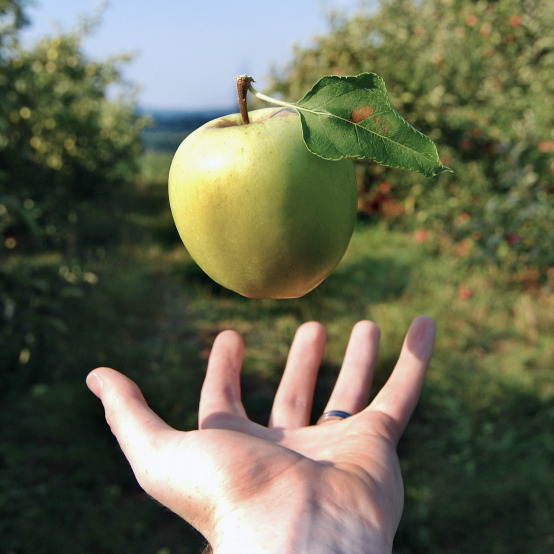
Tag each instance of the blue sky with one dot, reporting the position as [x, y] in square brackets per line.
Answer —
[189, 52]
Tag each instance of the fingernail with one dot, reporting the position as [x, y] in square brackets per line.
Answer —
[95, 384]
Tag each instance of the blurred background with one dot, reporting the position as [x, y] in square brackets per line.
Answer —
[92, 271]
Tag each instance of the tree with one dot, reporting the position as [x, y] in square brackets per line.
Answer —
[476, 77]
[66, 153]
[63, 145]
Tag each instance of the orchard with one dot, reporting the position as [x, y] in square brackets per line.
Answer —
[477, 77]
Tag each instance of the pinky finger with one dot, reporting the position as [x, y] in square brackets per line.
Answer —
[398, 398]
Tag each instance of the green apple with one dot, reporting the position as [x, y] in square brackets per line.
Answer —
[258, 212]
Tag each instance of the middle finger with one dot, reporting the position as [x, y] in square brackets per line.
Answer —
[293, 401]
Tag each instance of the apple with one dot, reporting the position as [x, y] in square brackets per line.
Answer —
[258, 212]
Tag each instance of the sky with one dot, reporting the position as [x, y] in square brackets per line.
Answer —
[188, 52]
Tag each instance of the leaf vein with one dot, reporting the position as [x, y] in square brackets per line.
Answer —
[374, 133]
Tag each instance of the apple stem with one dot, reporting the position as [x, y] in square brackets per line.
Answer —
[243, 83]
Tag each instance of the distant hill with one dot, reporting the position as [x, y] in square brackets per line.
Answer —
[170, 127]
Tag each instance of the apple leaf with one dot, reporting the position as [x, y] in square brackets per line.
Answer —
[352, 117]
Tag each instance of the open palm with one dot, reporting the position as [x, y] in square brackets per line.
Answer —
[287, 487]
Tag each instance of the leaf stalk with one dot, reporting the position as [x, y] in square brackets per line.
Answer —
[268, 98]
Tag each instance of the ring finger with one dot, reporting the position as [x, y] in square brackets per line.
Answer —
[351, 391]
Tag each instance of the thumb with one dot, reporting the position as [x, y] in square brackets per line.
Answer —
[171, 466]
[136, 427]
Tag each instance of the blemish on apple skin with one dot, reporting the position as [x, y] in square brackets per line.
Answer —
[226, 123]
[361, 113]
[281, 112]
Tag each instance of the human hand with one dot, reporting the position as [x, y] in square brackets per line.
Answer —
[289, 487]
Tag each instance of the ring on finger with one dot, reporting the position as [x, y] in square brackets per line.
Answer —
[332, 415]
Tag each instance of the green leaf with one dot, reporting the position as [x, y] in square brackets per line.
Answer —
[352, 117]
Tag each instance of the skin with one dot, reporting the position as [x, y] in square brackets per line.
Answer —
[258, 212]
[288, 487]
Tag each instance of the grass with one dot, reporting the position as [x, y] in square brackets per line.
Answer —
[477, 458]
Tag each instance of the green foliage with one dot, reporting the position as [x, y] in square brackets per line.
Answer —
[154, 167]
[478, 78]
[63, 144]
[67, 154]
[12, 18]
[58, 460]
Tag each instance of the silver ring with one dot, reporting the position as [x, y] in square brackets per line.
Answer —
[332, 415]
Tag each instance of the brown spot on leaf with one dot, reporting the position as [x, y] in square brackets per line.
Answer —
[361, 113]
[382, 125]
